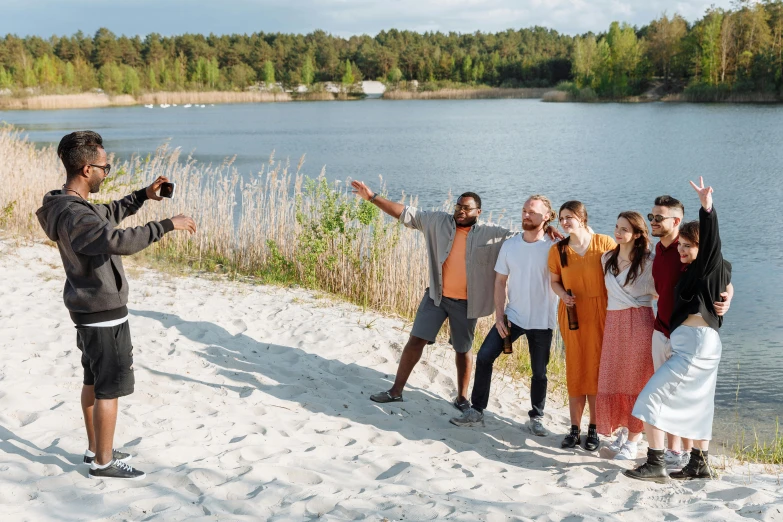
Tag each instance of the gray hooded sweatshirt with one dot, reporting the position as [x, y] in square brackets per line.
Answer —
[90, 246]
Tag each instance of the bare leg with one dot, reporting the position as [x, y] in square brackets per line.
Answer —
[655, 437]
[634, 437]
[410, 356]
[105, 420]
[464, 363]
[703, 445]
[576, 407]
[88, 402]
[687, 444]
[591, 403]
[675, 443]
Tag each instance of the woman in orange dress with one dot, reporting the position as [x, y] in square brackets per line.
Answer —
[575, 266]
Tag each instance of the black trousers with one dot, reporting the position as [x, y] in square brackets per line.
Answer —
[539, 343]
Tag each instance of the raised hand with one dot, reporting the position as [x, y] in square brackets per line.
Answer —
[705, 193]
[152, 190]
[362, 190]
[183, 222]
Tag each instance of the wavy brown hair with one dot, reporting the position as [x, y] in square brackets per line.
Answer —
[578, 208]
[640, 254]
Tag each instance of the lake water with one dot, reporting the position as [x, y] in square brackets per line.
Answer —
[613, 157]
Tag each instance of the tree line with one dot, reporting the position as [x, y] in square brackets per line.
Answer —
[732, 50]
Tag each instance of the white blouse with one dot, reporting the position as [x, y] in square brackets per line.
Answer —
[635, 295]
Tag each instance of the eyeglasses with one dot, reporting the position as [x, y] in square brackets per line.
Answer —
[106, 168]
[657, 218]
[466, 208]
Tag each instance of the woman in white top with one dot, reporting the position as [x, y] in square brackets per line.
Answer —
[626, 353]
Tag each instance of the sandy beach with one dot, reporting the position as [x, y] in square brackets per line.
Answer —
[252, 403]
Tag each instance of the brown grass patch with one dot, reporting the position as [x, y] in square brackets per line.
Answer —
[465, 94]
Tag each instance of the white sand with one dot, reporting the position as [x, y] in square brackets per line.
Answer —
[251, 403]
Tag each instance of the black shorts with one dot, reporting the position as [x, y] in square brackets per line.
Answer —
[107, 359]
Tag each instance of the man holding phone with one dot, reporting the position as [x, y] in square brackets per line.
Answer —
[96, 290]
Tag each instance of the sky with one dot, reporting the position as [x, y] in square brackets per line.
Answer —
[339, 17]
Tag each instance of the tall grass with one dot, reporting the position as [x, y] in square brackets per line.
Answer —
[85, 100]
[465, 94]
[277, 226]
[182, 97]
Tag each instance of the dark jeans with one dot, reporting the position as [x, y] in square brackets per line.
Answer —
[539, 343]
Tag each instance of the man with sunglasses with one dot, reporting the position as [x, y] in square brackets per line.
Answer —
[461, 256]
[96, 291]
[665, 218]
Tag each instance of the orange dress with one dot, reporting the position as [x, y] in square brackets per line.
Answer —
[584, 276]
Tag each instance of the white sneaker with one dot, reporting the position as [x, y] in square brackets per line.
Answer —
[676, 459]
[619, 442]
[627, 452]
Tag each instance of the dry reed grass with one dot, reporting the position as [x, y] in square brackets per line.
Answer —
[465, 94]
[183, 97]
[556, 96]
[87, 100]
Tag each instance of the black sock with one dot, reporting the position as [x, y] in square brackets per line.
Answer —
[698, 455]
[480, 410]
[574, 428]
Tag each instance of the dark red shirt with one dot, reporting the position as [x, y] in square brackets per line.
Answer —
[666, 271]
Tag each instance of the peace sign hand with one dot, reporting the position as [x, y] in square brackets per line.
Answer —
[705, 194]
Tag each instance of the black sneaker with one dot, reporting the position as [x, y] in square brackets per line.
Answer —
[116, 455]
[573, 439]
[592, 441]
[695, 469]
[654, 470]
[116, 470]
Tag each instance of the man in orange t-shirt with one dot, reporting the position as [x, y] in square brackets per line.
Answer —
[461, 259]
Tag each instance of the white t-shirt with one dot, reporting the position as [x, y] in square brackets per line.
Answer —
[532, 304]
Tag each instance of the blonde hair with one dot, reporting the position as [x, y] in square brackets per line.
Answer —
[545, 200]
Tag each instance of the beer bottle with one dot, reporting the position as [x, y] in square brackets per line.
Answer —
[573, 320]
[507, 347]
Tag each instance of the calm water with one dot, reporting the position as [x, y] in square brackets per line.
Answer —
[612, 157]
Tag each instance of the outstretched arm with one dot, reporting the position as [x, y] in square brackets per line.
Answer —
[389, 207]
[709, 238]
[118, 210]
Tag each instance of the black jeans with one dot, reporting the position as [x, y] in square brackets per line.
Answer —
[539, 343]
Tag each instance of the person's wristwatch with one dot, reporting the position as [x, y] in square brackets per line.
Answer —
[372, 199]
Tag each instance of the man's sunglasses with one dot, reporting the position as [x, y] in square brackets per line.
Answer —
[657, 218]
[106, 168]
[466, 208]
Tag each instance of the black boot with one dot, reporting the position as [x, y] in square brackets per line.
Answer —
[653, 470]
[592, 441]
[572, 439]
[698, 467]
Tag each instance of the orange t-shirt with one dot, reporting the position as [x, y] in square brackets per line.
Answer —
[455, 276]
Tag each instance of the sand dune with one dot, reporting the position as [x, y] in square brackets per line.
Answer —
[252, 403]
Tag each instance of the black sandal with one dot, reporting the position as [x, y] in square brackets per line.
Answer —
[385, 397]
[572, 439]
[592, 441]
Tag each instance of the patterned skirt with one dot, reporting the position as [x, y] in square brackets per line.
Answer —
[626, 367]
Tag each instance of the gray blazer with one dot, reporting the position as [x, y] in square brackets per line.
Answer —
[481, 253]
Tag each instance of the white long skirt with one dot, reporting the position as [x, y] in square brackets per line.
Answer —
[680, 396]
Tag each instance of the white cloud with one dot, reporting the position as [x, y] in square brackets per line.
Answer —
[344, 17]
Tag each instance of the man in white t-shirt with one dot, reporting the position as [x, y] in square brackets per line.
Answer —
[531, 310]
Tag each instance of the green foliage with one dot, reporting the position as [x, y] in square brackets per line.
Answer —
[348, 78]
[308, 72]
[741, 47]
[269, 73]
[7, 213]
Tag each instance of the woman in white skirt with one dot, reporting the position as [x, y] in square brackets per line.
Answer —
[680, 397]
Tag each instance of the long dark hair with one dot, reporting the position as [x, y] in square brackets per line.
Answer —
[640, 253]
[581, 212]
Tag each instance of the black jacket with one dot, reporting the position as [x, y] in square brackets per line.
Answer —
[90, 246]
[702, 282]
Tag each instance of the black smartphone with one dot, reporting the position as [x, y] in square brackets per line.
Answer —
[167, 190]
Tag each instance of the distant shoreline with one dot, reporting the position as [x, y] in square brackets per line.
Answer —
[90, 100]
